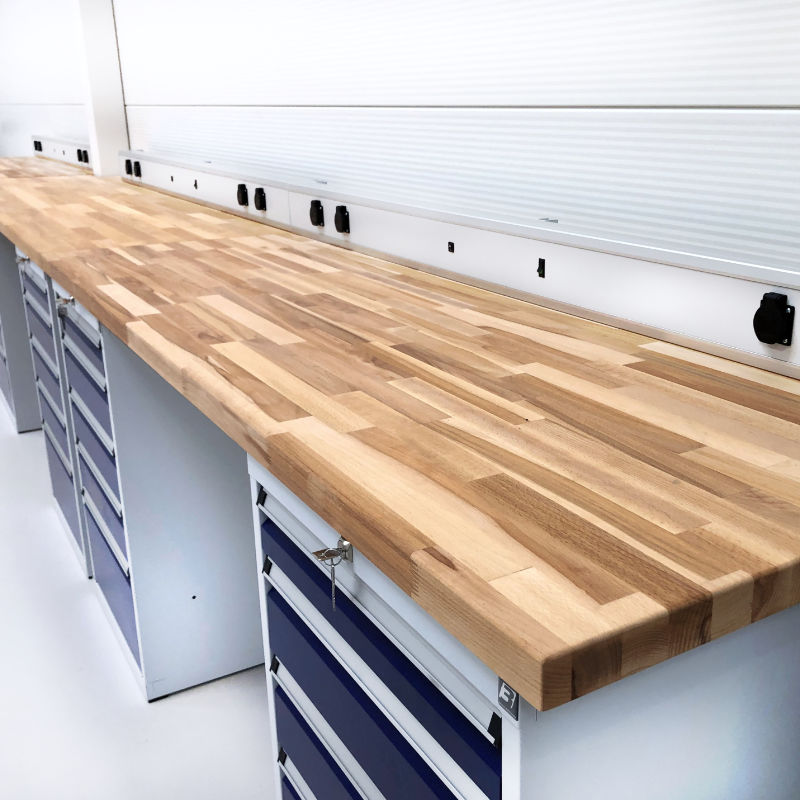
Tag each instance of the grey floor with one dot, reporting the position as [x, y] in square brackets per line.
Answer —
[73, 722]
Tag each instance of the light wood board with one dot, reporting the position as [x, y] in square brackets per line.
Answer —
[572, 501]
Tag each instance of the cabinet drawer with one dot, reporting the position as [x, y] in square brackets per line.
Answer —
[113, 582]
[105, 506]
[288, 792]
[48, 378]
[468, 747]
[32, 286]
[88, 345]
[87, 437]
[54, 425]
[383, 752]
[63, 488]
[41, 331]
[52, 403]
[317, 766]
[93, 396]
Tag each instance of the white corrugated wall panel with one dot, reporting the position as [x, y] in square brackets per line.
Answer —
[673, 123]
[42, 74]
[718, 183]
[460, 52]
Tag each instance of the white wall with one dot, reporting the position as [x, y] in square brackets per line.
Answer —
[661, 122]
[42, 80]
[460, 52]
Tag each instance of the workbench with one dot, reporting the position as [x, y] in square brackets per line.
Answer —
[554, 503]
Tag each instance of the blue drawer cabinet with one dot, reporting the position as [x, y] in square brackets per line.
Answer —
[366, 682]
[160, 497]
[317, 766]
[475, 753]
[48, 369]
[82, 347]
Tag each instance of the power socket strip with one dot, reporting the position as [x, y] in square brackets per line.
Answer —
[66, 150]
[700, 303]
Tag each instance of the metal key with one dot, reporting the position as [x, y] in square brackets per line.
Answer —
[331, 557]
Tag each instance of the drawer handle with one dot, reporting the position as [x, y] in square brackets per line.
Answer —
[332, 557]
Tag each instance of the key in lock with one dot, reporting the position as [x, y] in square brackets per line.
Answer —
[332, 557]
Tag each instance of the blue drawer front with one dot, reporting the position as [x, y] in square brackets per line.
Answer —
[42, 332]
[54, 424]
[63, 491]
[382, 751]
[50, 381]
[94, 355]
[102, 459]
[288, 792]
[476, 755]
[34, 290]
[95, 398]
[320, 770]
[5, 381]
[114, 584]
[103, 505]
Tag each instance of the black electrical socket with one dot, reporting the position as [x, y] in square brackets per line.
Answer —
[128, 167]
[241, 195]
[317, 214]
[774, 319]
[260, 199]
[80, 155]
[137, 169]
[342, 219]
[451, 247]
[540, 268]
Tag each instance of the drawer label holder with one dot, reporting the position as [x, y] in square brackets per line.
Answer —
[508, 698]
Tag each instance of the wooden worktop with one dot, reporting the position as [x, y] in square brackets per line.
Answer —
[37, 168]
[572, 501]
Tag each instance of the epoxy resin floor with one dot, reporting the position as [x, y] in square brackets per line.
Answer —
[73, 722]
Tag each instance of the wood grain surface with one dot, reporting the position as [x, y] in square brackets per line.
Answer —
[37, 168]
[572, 501]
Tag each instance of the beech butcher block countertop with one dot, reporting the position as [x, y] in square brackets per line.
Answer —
[572, 501]
[37, 168]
